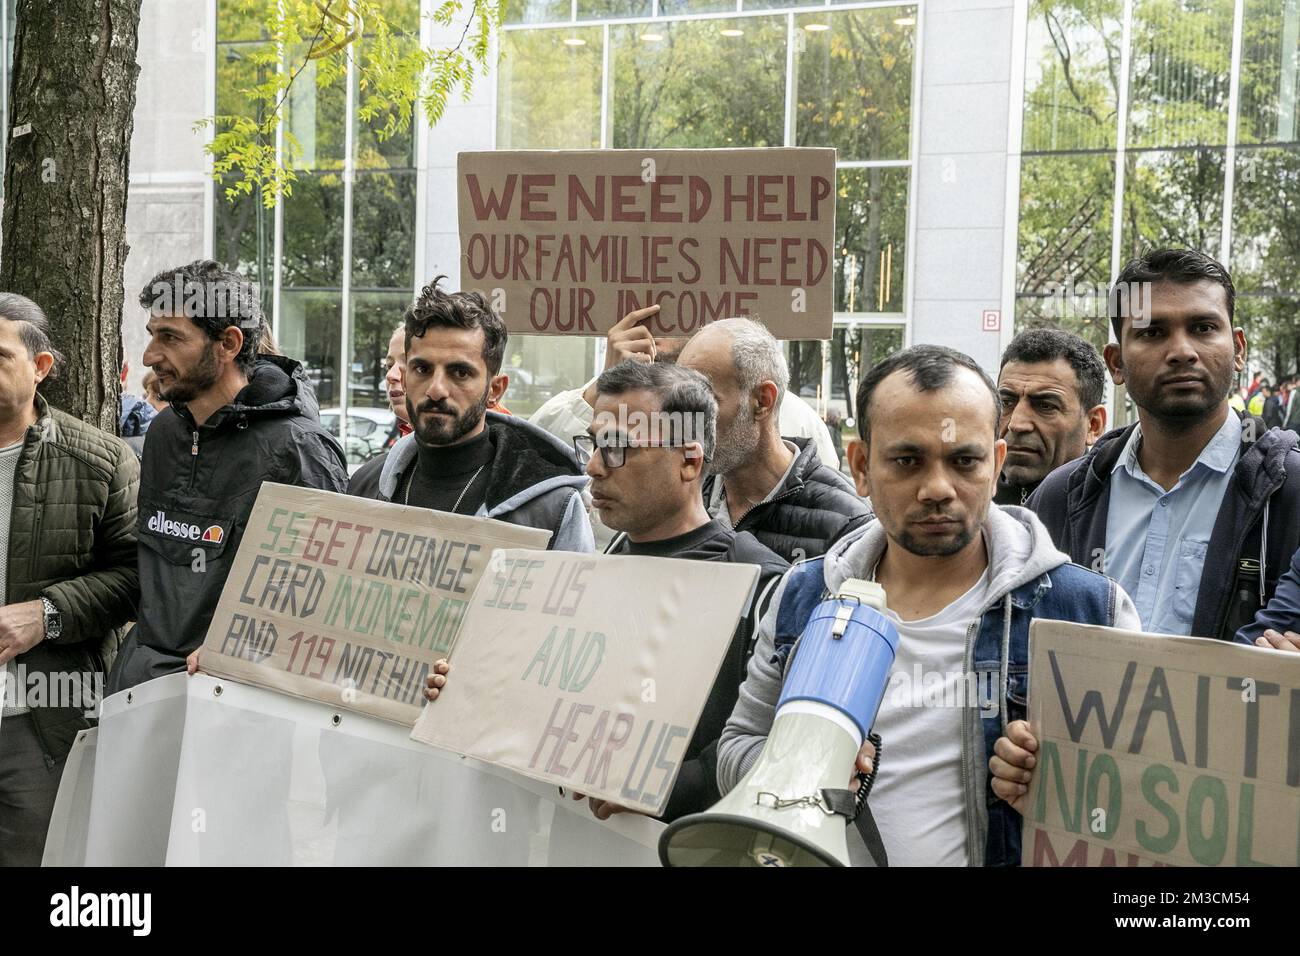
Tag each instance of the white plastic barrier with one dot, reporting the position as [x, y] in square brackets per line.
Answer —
[200, 771]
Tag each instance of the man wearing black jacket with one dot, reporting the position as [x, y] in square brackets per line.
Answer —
[646, 483]
[1194, 510]
[1050, 389]
[236, 420]
[775, 488]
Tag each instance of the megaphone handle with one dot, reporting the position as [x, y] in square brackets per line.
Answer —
[868, 780]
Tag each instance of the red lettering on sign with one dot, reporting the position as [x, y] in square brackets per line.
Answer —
[659, 202]
[623, 199]
[596, 209]
[532, 195]
[498, 206]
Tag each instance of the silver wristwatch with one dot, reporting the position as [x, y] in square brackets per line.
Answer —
[53, 620]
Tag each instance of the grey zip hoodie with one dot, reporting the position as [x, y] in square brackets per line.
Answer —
[1020, 551]
[534, 480]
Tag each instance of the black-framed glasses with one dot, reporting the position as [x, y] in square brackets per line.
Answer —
[613, 453]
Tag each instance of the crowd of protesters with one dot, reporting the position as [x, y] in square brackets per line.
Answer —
[978, 505]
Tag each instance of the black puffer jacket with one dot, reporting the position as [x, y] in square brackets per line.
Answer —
[814, 508]
[197, 488]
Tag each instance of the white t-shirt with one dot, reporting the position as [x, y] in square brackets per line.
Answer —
[918, 801]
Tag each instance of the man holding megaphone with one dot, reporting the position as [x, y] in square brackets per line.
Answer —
[962, 579]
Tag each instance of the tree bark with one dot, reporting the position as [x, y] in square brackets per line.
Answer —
[64, 224]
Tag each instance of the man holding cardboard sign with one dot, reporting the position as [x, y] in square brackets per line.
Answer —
[1176, 751]
[652, 493]
[237, 419]
[645, 451]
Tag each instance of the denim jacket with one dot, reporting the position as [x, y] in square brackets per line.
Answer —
[1038, 584]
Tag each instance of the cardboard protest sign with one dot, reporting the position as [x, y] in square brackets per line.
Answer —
[349, 601]
[589, 671]
[1161, 750]
[569, 242]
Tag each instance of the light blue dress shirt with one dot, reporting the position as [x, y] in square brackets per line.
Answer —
[1156, 539]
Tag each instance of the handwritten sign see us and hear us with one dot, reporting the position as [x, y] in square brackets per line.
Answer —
[349, 601]
[1161, 750]
[588, 671]
[568, 242]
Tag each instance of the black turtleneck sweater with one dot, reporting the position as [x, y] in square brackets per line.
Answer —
[441, 475]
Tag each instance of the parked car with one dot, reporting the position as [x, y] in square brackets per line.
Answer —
[368, 430]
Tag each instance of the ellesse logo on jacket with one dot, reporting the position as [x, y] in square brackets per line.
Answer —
[184, 530]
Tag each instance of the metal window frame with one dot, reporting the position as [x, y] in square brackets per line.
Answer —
[657, 17]
[1122, 150]
[841, 319]
[346, 290]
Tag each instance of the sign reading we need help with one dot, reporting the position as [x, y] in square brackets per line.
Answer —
[569, 242]
[349, 601]
[1161, 750]
[589, 671]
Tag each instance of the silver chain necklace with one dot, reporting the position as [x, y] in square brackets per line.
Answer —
[406, 499]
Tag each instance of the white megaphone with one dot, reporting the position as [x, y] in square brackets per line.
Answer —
[789, 809]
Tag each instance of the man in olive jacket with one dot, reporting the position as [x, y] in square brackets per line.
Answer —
[68, 570]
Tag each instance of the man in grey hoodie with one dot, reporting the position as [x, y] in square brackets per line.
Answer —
[963, 580]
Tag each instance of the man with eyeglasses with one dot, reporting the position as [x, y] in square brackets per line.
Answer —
[653, 430]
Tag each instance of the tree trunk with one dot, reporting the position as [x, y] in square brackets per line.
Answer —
[64, 226]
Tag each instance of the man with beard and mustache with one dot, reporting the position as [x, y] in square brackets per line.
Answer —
[963, 581]
[1051, 387]
[461, 457]
[1194, 509]
[775, 488]
[236, 419]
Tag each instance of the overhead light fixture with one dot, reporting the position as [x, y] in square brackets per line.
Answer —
[732, 32]
[574, 41]
[905, 22]
[651, 37]
[816, 27]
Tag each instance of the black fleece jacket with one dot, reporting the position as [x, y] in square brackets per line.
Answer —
[1261, 504]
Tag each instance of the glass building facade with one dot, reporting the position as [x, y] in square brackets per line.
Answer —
[663, 74]
[1162, 123]
[1139, 123]
[336, 258]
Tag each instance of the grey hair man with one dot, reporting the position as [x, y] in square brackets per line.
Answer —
[776, 488]
[68, 509]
